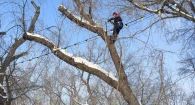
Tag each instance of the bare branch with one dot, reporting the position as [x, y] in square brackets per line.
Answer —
[19, 55]
[13, 48]
[32, 24]
[191, 5]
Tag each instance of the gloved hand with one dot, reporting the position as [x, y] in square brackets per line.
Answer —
[109, 20]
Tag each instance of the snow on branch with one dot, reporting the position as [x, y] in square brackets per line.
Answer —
[4, 92]
[38, 36]
[83, 13]
[5, 97]
[62, 9]
[78, 20]
[87, 63]
[185, 14]
[75, 16]
[179, 10]
[78, 62]
[32, 36]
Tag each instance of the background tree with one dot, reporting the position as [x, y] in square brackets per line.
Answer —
[184, 11]
[9, 82]
[86, 22]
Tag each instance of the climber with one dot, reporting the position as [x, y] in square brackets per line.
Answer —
[118, 25]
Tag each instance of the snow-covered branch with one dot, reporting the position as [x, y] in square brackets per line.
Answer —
[83, 13]
[87, 63]
[174, 9]
[3, 93]
[80, 21]
[78, 62]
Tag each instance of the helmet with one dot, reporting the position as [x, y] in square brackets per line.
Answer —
[114, 13]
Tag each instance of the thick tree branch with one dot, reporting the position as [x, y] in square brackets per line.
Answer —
[9, 56]
[85, 24]
[81, 22]
[36, 15]
[60, 53]
[83, 13]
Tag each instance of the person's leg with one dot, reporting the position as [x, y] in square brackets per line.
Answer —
[114, 32]
[117, 32]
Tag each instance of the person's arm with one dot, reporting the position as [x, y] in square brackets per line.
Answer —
[109, 20]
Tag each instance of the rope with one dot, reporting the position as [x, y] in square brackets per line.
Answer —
[78, 43]
[140, 18]
[81, 42]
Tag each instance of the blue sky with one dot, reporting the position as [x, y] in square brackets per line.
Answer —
[50, 16]
[155, 36]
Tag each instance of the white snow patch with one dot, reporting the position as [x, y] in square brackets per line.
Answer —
[1, 86]
[79, 18]
[90, 64]
[95, 66]
[38, 36]
[184, 13]
[61, 6]
[64, 52]
[3, 96]
[139, 102]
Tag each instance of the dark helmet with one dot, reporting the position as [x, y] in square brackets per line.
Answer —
[114, 13]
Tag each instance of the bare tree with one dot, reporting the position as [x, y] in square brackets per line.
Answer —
[10, 54]
[179, 9]
[120, 84]
[126, 77]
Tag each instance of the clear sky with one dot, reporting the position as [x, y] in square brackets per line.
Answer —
[154, 37]
[50, 16]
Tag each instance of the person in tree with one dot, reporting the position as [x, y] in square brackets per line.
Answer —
[118, 25]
